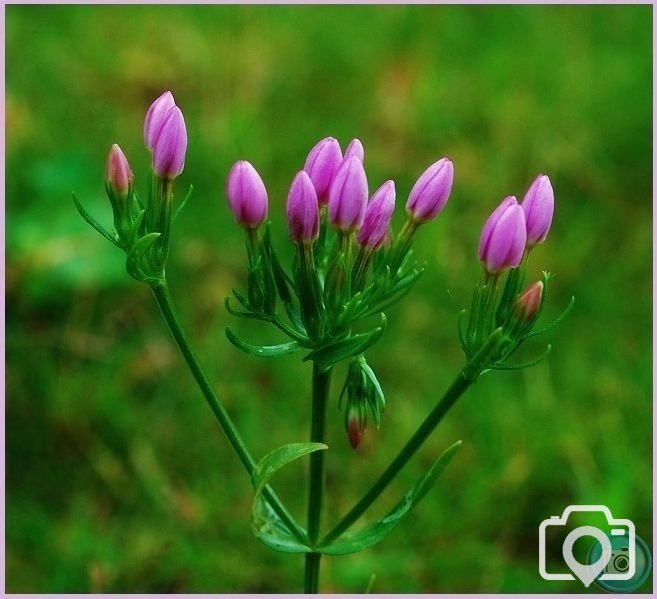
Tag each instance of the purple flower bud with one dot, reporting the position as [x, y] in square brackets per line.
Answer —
[155, 118]
[378, 213]
[170, 145]
[118, 173]
[538, 205]
[302, 209]
[504, 236]
[355, 148]
[431, 191]
[348, 195]
[321, 165]
[247, 196]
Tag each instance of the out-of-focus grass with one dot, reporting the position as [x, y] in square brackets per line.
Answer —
[117, 477]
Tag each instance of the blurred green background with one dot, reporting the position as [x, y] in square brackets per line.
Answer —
[119, 480]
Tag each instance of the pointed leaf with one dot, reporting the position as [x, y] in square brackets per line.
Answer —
[372, 534]
[267, 526]
[278, 458]
[334, 352]
[263, 351]
[182, 204]
[265, 523]
[94, 223]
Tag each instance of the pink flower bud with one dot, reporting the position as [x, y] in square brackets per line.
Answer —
[155, 118]
[538, 205]
[118, 173]
[431, 191]
[302, 209]
[170, 145]
[528, 304]
[355, 148]
[504, 236]
[247, 196]
[378, 213]
[348, 195]
[321, 165]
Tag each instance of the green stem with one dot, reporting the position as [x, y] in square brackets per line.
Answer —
[165, 302]
[320, 391]
[465, 378]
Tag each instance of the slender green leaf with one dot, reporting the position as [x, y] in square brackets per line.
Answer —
[94, 223]
[264, 351]
[265, 523]
[372, 534]
[267, 526]
[279, 457]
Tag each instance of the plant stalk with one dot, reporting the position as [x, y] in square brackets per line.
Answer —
[165, 302]
[320, 391]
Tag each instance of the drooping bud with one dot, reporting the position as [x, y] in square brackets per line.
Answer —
[355, 423]
[155, 117]
[538, 205]
[348, 195]
[431, 191]
[321, 165]
[302, 209]
[504, 237]
[170, 145]
[378, 213]
[247, 196]
[355, 148]
[118, 174]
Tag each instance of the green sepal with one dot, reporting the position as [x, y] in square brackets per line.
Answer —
[375, 398]
[266, 525]
[94, 223]
[182, 204]
[512, 286]
[239, 314]
[332, 353]
[373, 533]
[134, 263]
[263, 351]
[555, 322]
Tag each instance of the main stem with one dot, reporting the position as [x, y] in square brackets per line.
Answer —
[165, 302]
[320, 391]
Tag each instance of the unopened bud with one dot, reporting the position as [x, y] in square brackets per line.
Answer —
[170, 145]
[348, 196]
[374, 231]
[528, 304]
[431, 191]
[321, 165]
[504, 236]
[302, 209]
[118, 173]
[538, 205]
[356, 423]
[247, 196]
